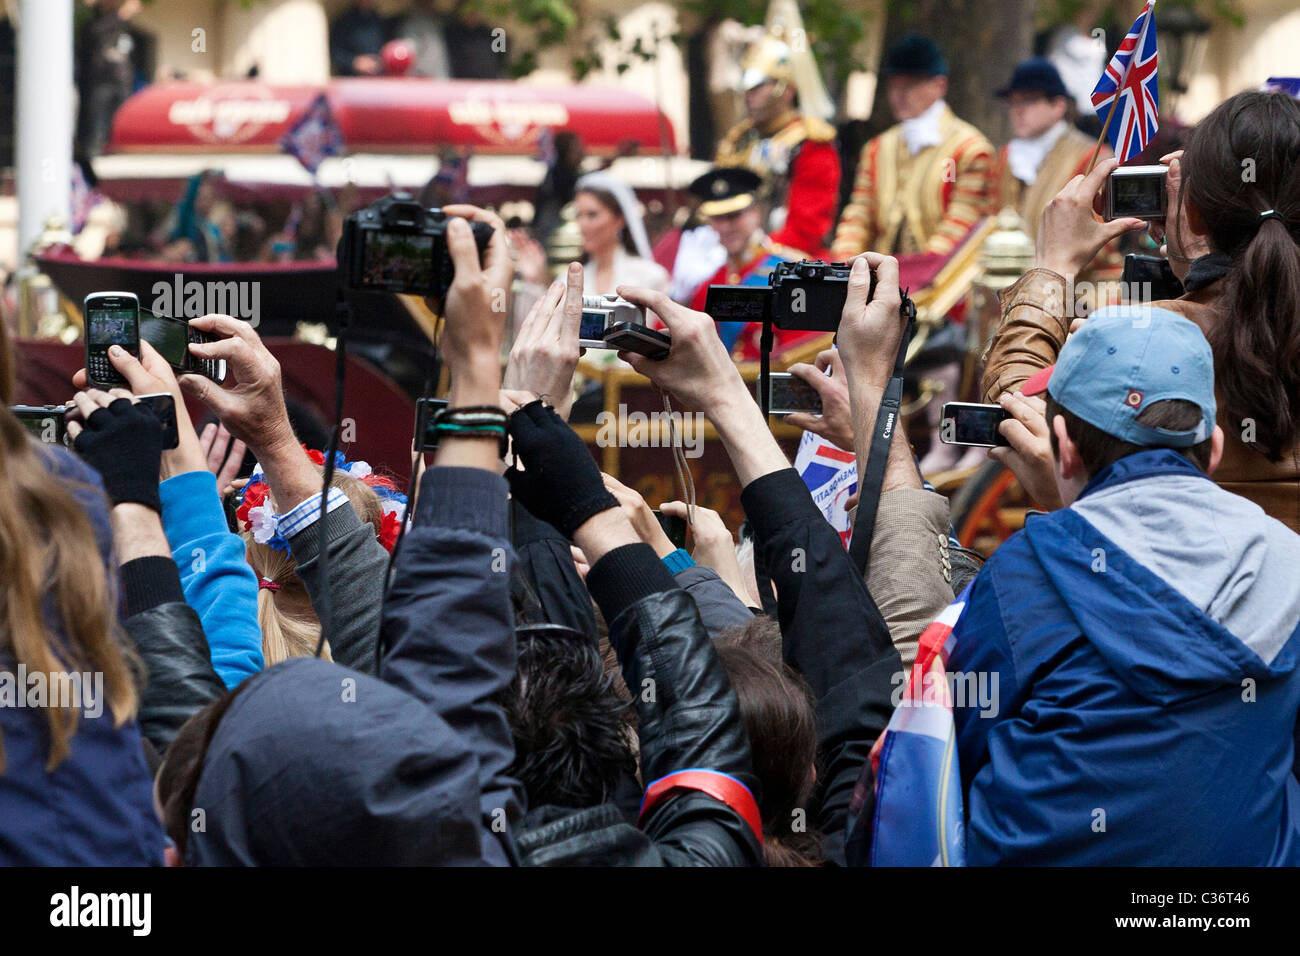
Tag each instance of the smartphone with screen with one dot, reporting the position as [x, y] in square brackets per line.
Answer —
[112, 318]
[171, 338]
[46, 423]
[787, 393]
[164, 406]
[966, 423]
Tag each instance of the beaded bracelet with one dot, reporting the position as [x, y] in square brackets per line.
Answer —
[473, 421]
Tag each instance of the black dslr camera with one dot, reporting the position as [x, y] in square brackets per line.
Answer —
[803, 296]
[397, 246]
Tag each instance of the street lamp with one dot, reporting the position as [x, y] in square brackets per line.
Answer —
[1183, 36]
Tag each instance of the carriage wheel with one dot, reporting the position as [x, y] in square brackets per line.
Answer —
[987, 506]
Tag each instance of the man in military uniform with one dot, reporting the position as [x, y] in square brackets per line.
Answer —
[793, 151]
[921, 185]
[925, 181]
[1045, 153]
[729, 202]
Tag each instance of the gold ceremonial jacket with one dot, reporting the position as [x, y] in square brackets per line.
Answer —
[923, 203]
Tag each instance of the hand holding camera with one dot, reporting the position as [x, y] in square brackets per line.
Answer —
[476, 306]
[1069, 233]
[545, 353]
[1027, 448]
[122, 439]
[698, 369]
[560, 483]
[252, 408]
[873, 323]
[835, 420]
[150, 378]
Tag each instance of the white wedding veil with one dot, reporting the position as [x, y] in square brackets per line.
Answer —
[628, 206]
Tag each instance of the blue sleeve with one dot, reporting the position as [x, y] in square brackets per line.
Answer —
[215, 575]
[448, 627]
[982, 672]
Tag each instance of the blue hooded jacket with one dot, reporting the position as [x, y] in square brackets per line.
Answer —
[1141, 650]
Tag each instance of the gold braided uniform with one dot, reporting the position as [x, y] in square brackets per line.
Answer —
[800, 166]
[1067, 158]
[924, 203]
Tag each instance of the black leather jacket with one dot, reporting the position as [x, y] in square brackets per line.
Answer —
[169, 639]
[688, 718]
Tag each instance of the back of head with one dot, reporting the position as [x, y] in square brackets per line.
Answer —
[1132, 379]
[312, 764]
[777, 710]
[50, 560]
[570, 728]
[289, 624]
[1240, 164]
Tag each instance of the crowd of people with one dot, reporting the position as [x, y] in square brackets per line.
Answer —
[515, 665]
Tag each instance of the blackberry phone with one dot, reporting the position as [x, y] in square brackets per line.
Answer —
[112, 318]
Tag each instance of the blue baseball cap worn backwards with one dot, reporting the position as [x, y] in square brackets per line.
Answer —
[1122, 360]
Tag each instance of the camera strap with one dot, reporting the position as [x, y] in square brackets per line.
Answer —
[888, 419]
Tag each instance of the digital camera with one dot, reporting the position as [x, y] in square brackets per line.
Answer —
[396, 245]
[805, 296]
[1137, 192]
[601, 312]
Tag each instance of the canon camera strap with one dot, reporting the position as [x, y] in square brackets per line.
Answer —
[888, 418]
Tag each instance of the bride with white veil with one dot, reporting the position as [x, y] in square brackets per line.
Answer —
[615, 248]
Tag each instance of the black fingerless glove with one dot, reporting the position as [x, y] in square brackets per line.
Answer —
[124, 443]
[561, 484]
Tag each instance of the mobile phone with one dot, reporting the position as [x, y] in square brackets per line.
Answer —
[164, 406]
[966, 423]
[171, 338]
[634, 337]
[46, 423]
[787, 393]
[1137, 192]
[112, 318]
[1151, 277]
[674, 527]
[426, 410]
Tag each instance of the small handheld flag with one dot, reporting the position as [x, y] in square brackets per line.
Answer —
[315, 136]
[1127, 97]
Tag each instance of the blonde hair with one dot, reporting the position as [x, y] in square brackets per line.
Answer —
[289, 625]
[48, 549]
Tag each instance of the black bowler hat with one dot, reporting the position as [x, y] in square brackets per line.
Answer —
[1038, 75]
[726, 189]
[914, 55]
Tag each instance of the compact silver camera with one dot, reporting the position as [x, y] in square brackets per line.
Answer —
[602, 312]
[1137, 192]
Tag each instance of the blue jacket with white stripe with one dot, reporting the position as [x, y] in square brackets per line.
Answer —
[1141, 647]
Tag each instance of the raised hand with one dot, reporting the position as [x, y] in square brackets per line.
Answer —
[545, 353]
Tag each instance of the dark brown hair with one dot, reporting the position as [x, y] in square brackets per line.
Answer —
[1098, 449]
[178, 777]
[1241, 161]
[607, 199]
[777, 709]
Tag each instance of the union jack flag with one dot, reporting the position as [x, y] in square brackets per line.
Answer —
[917, 816]
[831, 474]
[1131, 73]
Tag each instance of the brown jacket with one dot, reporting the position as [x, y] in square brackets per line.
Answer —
[1034, 325]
